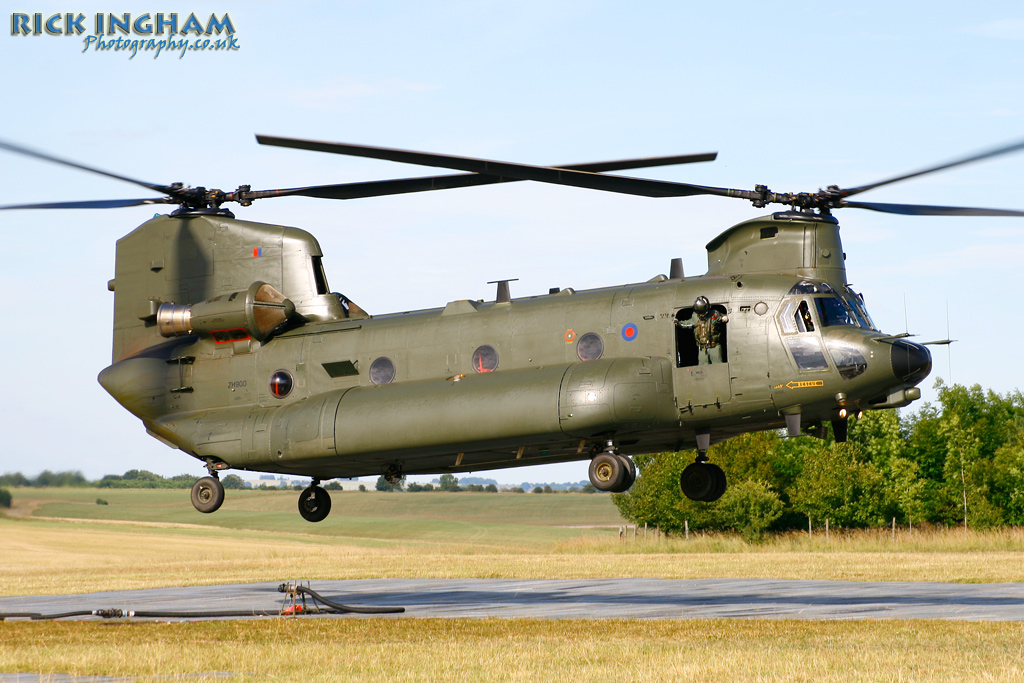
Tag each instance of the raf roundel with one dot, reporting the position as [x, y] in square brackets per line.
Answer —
[629, 332]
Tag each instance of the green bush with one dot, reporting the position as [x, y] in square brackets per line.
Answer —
[5, 498]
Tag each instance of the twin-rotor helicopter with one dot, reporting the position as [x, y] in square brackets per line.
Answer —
[229, 344]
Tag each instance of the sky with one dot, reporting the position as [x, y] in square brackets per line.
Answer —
[794, 95]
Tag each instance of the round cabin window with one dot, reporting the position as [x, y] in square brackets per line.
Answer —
[485, 359]
[590, 346]
[382, 371]
[281, 383]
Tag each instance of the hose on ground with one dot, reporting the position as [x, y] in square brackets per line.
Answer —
[331, 608]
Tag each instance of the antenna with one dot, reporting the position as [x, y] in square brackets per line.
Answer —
[503, 296]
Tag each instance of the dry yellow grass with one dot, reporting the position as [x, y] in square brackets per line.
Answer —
[522, 650]
[47, 557]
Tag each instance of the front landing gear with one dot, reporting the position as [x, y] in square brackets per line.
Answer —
[610, 471]
[314, 503]
[208, 494]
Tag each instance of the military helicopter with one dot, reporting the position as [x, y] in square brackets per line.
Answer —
[229, 345]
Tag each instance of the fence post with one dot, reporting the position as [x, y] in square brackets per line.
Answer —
[809, 534]
[826, 529]
[893, 529]
[686, 526]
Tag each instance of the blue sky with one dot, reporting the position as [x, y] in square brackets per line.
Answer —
[795, 95]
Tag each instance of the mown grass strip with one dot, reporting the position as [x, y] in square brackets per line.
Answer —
[522, 650]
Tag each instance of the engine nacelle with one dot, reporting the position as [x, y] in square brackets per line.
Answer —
[254, 313]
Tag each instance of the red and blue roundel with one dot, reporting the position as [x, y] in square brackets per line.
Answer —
[629, 332]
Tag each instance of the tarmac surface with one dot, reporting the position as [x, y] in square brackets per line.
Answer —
[573, 599]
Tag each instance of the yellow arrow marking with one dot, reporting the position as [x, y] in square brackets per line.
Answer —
[807, 384]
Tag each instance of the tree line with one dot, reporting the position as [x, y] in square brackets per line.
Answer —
[960, 462]
[132, 479]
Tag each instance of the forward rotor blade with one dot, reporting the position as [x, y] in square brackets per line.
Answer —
[545, 174]
[1015, 147]
[444, 182]
[925, 210]
[92, 204]
[17, 149]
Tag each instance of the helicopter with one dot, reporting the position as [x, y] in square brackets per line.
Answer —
[229, 345]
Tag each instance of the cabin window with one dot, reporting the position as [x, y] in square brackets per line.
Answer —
[485, 359]
[807, 353]
[590, 346]
[281, 383]
[319, 277]
[382, 371]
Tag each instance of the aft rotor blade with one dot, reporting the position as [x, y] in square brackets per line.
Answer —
[17, 149]
[925, 210]
[445, 182]
[1007, 149]
[92, 204]
[545, 174]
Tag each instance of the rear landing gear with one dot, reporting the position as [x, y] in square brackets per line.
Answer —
[611, 471]
[207, 494]
[314, 503]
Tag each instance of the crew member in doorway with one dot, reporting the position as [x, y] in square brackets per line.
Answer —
[706, 324]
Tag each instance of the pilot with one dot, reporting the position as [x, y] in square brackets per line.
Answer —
[706, 324]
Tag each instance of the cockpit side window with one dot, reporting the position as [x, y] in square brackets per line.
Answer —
[856, 301]
[795, 316]
[804, 322]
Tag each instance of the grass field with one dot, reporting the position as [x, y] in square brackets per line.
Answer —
[61, 541]
[521, 650]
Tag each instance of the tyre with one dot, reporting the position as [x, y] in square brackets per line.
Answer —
[720, 483]
[314, 504]
[606, 472]
[207, 494]
[698, 481]
[628, 477]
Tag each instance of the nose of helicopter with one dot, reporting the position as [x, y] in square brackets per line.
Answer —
[910, 362]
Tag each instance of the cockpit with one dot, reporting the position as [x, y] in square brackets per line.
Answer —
[832, 307]
[835, 306]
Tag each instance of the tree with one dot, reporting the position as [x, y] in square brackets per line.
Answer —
[233, 481]
[5, 498]
[750, 507]
[837, 485]
[449, 482]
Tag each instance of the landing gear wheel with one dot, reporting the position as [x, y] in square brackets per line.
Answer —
[207, 494]
[607, 472]
[720, 483]
[629, 477]
[698, 481]
[314, 504]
